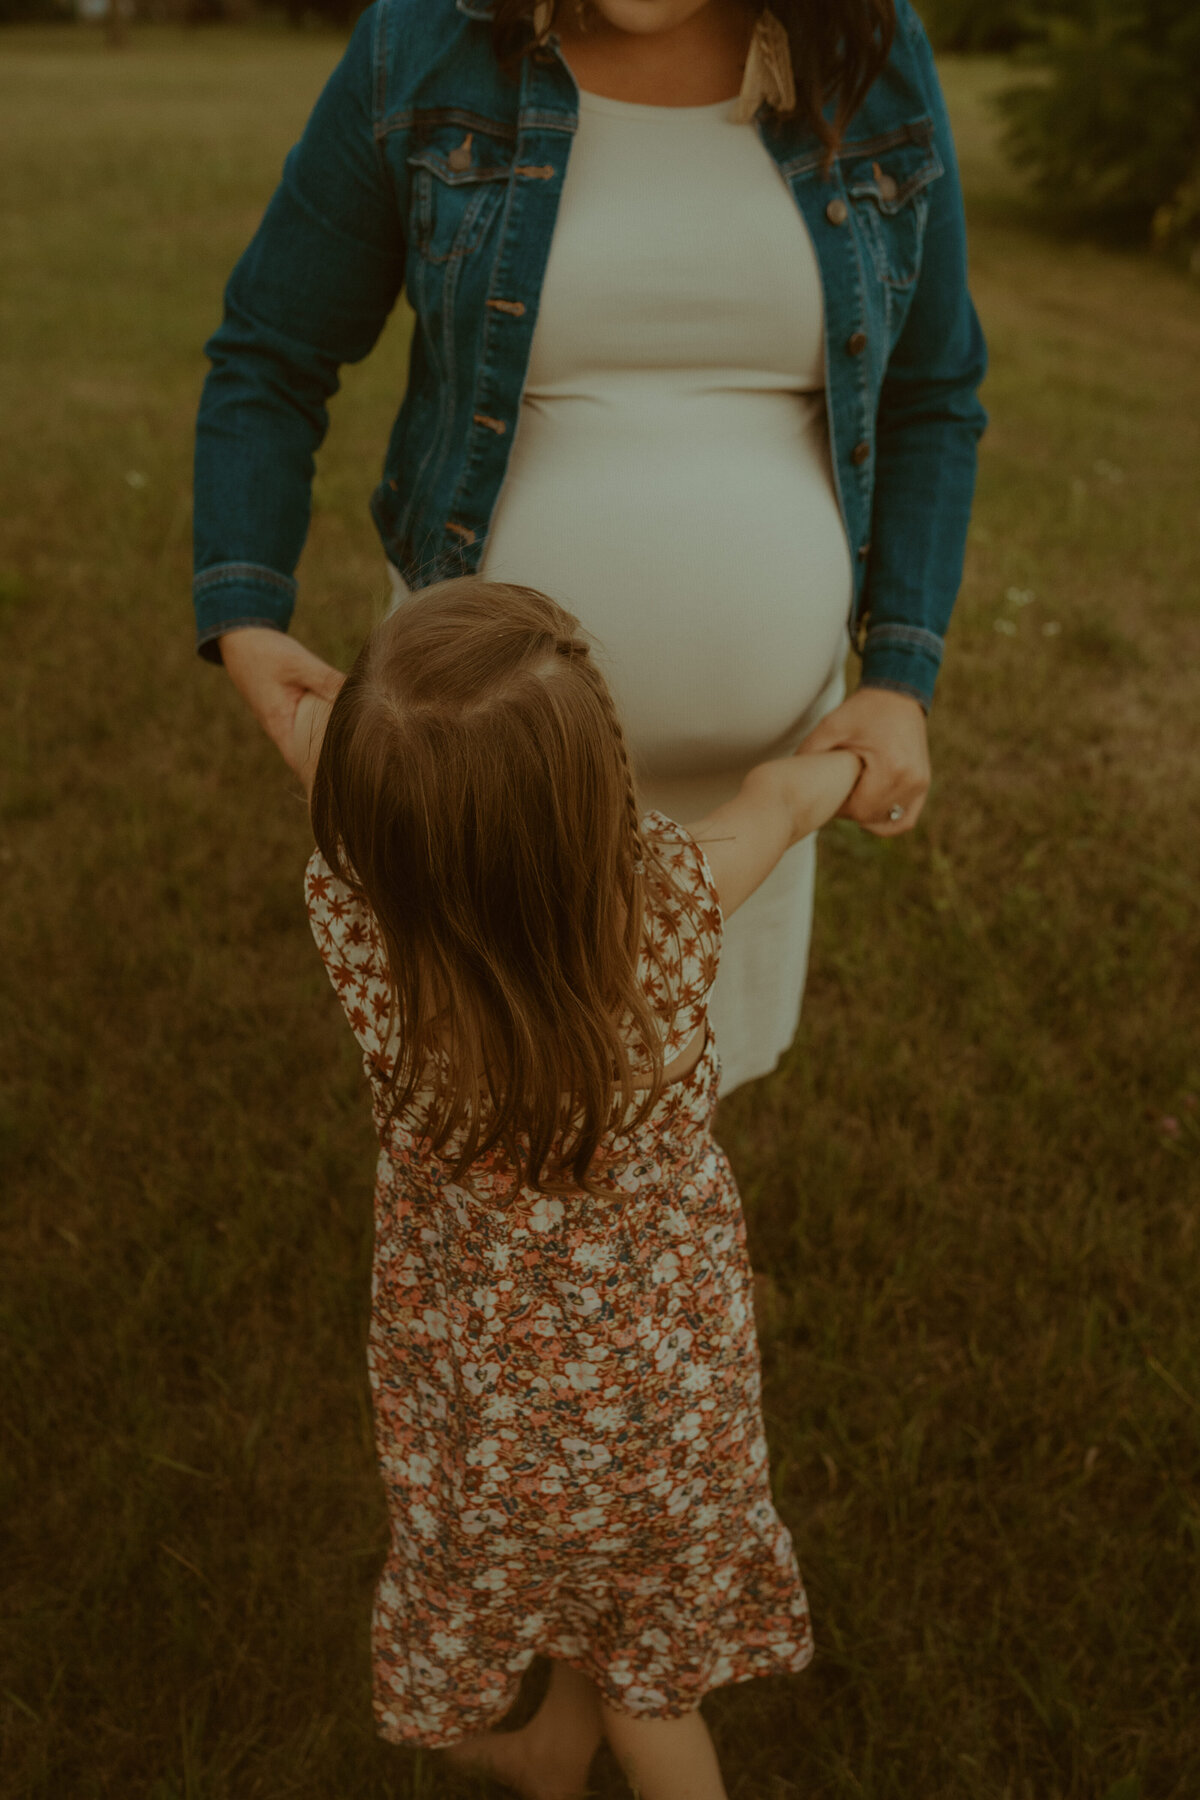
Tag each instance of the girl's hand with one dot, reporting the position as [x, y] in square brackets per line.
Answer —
[779, 803]
[887, 730]
[273, 673]
[308, 732]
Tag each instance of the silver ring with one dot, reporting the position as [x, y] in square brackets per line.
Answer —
[895, 813]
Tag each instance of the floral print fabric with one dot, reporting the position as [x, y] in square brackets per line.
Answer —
[566, 1390]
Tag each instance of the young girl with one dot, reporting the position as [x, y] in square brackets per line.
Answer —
[562, 1350]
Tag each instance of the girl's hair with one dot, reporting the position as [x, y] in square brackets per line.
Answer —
[838, 49]
[474, 789]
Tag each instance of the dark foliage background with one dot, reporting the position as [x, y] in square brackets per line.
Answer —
[1108, 123]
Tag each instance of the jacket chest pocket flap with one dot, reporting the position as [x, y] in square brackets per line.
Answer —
[457, 179]
[888, 178]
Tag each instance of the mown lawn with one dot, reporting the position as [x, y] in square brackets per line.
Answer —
[974, 1187]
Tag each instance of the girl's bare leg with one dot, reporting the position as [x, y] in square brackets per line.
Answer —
[549, 1758]
[665, 1759]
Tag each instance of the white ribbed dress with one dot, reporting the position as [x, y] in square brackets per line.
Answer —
[670, 482]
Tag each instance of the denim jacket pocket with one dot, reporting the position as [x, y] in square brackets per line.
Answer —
[457, 179]
[888, 179]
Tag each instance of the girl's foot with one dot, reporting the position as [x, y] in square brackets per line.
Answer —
[509, 1758]
[549, 1758]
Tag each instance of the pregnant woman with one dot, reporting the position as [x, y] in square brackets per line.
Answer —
[693, 353]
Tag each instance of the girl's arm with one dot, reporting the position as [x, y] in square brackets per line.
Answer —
[308, 731]
[780, 802]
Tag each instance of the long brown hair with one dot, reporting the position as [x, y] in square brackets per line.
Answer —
[838, 49]
[474, 788]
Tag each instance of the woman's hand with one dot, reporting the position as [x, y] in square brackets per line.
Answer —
[273, 673]
[887, 730]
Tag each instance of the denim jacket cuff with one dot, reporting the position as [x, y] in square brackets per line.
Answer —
[234, 595]
[904, 658]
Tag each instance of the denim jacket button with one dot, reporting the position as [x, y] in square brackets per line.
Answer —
[856, 343]
[860, 453]
[837, 212]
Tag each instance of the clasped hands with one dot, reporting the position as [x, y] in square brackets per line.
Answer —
[274, 673]
[279, 679]
[887, 730]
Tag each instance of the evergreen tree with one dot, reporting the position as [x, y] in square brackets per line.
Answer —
[1109, 127]
[978, 24]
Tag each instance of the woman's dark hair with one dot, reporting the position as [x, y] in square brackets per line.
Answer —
[838, 49]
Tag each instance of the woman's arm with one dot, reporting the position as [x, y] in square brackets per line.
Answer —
[928, 424]
[311, 292]
[779, 803]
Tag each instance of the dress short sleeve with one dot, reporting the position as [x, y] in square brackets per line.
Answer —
[683, 932]
[348, 939]
[678, 964]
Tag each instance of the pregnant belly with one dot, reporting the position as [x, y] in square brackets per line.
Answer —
[701, 543]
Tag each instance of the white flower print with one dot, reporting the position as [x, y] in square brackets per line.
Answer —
[593, 1256]
[688, 1428]
[583, 1300]
[593, 1456]
[671, 1348]
[423, 1521]
[588, 1518]
[605, 1418]
[546, 1214]
[581, 1376]
[419, 1469]
[640, 1698]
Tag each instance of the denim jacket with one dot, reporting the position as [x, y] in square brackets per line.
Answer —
[424, 167]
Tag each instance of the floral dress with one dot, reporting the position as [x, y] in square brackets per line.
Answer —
[566, 1389]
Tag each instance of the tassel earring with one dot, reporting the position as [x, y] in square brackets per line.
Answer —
[768, 76]
[544, 13]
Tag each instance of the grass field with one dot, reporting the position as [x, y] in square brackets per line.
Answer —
[975, 1186]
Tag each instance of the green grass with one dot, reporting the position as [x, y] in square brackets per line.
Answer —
[973, 1186]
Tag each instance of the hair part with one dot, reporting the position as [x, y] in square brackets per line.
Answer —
[474, 788]
[838, 49]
